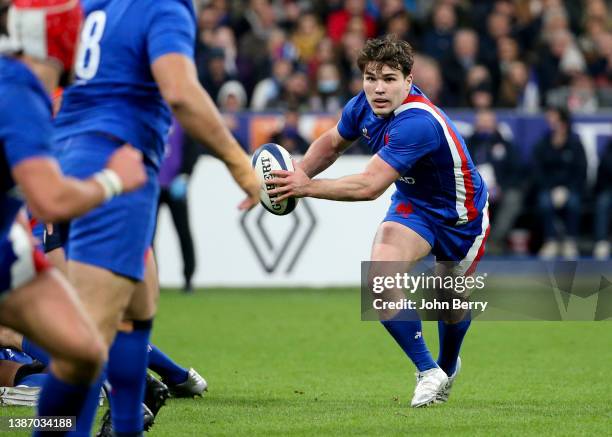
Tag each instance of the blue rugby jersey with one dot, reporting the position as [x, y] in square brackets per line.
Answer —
[25, 131]
[423, 145]
[114, 92]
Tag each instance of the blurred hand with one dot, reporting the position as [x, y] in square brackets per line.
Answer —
[178, 187]
[247, 179]
[127, 163]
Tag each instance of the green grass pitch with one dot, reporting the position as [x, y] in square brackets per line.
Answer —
[300, 362]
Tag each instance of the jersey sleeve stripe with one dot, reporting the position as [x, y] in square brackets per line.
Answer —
[464, 186]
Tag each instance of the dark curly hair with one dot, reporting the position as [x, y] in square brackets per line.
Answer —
[390, 51]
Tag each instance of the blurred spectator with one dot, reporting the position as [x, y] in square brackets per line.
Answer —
[352, 43]
[400, 25]
[498, 27]
[174, 174]
[603, 202]
[389, 9]
[554, 19]
[508, 52]
[500, 167]
[479, 88]
[427, 77]
[329, 96]
[279, 47]
[456, 66]
[257, 41]
[215, 74]
[223, 38]
[559, 165]
[438, 41]
[288, 135]
[270, 88]
[480, 97]
[232, 97]
[209, 19]
[578, 97]
[295, 94]
[559, 61]
[289, 13]
[338, 21]
[600, 66]
[231, 100]
[325, 53]
[527, 25]
[518, 90]
[255, 21]
[307, 37]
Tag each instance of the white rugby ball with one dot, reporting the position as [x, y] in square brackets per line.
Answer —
[266, 158]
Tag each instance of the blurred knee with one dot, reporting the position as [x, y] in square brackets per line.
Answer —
[81, 363]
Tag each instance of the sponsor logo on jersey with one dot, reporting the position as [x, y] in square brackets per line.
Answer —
[407, 180]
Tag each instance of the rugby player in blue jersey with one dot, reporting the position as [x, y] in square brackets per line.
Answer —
[134, 67]
[440, 202]
[37, 42]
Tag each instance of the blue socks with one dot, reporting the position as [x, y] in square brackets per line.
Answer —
[127, 366]
[59, 398]
[451, 337]
[161, 364]
[88, 414]
[409, 336]
[34, 351]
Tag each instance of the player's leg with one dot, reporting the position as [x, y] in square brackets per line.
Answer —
[463, 249]
[105, 296]
[10, 338]
[403, 239]
[128, 378]
[75, 345]
[106, 254]
[397, 247]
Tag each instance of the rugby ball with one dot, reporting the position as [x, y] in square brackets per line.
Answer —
[266, 158]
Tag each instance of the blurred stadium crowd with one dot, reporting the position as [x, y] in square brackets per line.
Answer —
[518, 54]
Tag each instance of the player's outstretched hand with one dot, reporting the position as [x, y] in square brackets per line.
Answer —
[247, 179]
[288, 183]
[127, 163]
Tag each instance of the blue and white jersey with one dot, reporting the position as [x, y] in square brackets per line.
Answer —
[8, 354]
[114, 92]
[423, 145]
[25, 131]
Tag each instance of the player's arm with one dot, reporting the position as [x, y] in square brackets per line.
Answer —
[323, 152]
[176, 77]
[367, 185]
[52, 197]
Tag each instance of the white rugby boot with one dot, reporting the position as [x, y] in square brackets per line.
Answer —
[445, 392]
[195, 385]
[429, 384]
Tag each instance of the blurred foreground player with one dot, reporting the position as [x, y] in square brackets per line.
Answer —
[440, 203]
[37, 42]
[135, 59]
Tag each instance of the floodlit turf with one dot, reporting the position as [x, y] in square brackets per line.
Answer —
[300, 362]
